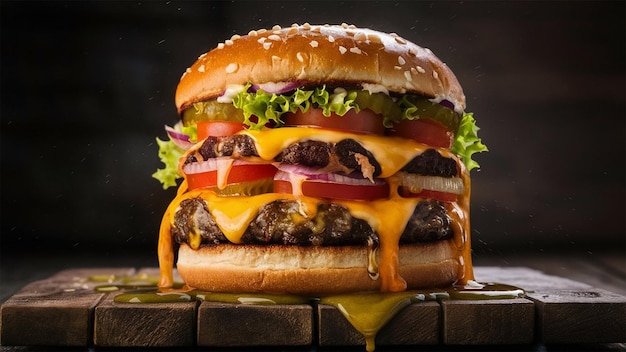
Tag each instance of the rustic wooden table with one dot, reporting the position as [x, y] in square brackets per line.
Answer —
[575, 302]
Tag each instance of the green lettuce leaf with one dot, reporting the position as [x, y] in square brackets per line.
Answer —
[267, 107]
[467, 141]
[170, 154]
[191, 131]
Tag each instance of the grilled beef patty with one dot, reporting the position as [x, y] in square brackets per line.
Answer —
[280, 222]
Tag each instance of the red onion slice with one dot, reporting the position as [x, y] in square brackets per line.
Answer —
[275, 87]
[212, 165]
[179, 138]
[299, 169]
[315, 174]
[448, 104]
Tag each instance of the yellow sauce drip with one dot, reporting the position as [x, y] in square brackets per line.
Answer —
[368, 313]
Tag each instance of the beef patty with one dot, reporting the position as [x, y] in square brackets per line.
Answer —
[280, 222]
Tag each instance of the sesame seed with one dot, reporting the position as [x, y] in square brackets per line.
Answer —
[435, 75]
[235, 37]
[397, 68]
[360, 36]
[374, 38]
[299, 56]
[261, 40]
[294, 25]
[202, 56]
[262, 30]
[344, 25]
[228, 42]
[342, 50]
[420, 69]
[267, 45]
[355, 50]
[188, 70]
[314, 43]
[352, 26]
[276, 32]
[413, 70]
[232, 67]
[401, 60]
[306, 26]
[407, 75]
[393, 34]
[253, 33]
[220, 46]
[201, 68]
[317, 29]
[292, 31]
[331, 38]
[412, 52]
[276, 27]
[400, 40]
[273, 37]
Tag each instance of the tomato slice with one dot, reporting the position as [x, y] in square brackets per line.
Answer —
[218, 128]
[237, 174]
[424, 130]
[428, 194]
[325, 189]
[365, 121]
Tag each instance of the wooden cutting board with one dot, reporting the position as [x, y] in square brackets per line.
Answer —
[66, 310]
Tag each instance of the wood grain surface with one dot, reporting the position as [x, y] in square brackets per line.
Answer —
[66, 310]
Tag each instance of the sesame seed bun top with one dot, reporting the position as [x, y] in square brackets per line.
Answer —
[313, 55]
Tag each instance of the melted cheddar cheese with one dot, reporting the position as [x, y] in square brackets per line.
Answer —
[387, 217]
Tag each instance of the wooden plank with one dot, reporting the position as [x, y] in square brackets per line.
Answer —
[227, 324]
[493, 321]
[54, 312]
[567, 311]
[334, 329]
[417, 324]
[144, 324]
[580, 316]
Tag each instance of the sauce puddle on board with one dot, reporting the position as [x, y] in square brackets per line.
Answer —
[367, 312]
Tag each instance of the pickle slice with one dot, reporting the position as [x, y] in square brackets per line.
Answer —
[415, 107]
[250, 188]
[211, 111]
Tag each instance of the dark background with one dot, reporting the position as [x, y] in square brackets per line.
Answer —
[87, 86]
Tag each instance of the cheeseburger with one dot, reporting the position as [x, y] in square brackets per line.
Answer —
[318, 160]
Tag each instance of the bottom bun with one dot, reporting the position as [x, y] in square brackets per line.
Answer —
[314, 270]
